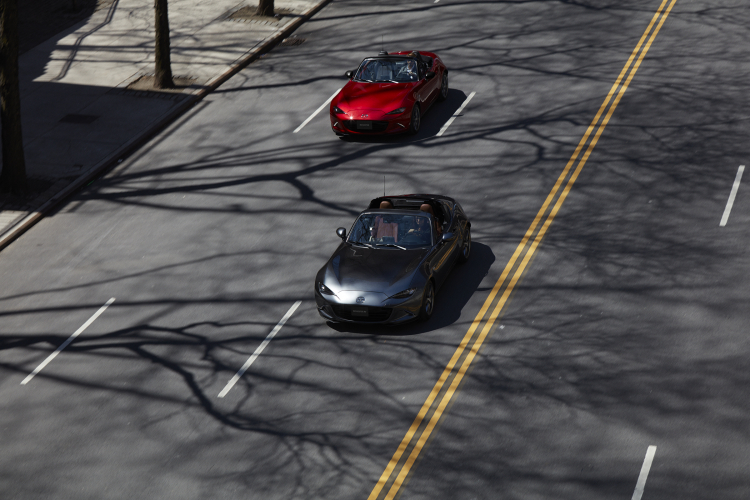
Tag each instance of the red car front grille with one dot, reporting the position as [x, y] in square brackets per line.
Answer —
[365, 126]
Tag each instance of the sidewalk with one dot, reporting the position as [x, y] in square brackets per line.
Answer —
[79, 116]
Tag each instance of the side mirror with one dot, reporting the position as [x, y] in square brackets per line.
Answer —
[430, 75]
[349, 74]
[341, 232]
[446, 237]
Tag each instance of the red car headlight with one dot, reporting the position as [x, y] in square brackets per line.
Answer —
[396, 111]
[338, 110]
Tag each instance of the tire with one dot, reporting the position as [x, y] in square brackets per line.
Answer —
[416, 120]
[465, 248]
[444, 88]
[428, 302]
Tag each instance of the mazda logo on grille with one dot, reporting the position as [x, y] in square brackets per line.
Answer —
[365, 115]
[360, 300]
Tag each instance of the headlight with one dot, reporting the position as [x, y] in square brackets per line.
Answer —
[403, 294]
[324, 289]
[396, 111]
[338, 110]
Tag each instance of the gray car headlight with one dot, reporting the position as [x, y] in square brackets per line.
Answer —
[324, 289]
[403, 294]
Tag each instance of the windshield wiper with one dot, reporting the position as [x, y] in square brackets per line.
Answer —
[360, 244]
[389, 245]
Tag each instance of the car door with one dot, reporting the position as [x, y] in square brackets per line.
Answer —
[450, 225]
[442, 252]
[422, 91]
[432, 86]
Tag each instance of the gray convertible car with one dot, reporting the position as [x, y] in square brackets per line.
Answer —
[396, 255]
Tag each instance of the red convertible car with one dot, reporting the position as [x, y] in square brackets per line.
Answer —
[389, 93]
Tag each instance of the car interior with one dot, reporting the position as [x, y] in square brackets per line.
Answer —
[441, 212]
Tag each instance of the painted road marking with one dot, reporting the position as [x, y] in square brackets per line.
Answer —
[458, 112]
[422, 432]
[259, 350]
[65, 344]
[638, 493]
[317, 111]
[730, 201]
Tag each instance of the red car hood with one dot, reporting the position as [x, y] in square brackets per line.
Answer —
[381, 96]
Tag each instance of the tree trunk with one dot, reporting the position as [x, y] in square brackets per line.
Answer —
[13, 175]
[265, 8]
[163, 73]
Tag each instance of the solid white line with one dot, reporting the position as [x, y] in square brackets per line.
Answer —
[259, 350]
[638, 493]
[458, 112]
[70, 339]
[730, 201]
[316, 112]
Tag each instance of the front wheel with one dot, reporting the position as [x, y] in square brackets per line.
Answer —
[465, 248]
[444, 88]
[428, 302]
[416, 120]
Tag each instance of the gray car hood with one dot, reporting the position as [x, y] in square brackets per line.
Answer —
[373, 270]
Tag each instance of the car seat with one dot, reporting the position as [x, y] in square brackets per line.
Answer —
[383, 230]
[384, 73]
[426, 207]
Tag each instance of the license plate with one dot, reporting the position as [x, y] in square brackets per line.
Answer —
[364, 125]
[360, 312]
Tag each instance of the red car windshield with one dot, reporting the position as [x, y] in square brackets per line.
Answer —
[388, 70]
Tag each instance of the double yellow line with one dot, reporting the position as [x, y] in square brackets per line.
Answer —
[416, 437]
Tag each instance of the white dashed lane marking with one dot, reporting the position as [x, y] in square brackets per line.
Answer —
[260, 348]
[730, 201]
[309, 118]
[455, 115]
[638, 493]
[67, 342]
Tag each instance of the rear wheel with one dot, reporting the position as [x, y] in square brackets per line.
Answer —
[428, 302]
[416, 120]
[444, 88]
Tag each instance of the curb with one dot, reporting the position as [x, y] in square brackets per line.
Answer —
[135, 143]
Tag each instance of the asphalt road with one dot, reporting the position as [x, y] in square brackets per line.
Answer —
[628, 328]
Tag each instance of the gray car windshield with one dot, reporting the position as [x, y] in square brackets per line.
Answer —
[391, 231]
[388, 70]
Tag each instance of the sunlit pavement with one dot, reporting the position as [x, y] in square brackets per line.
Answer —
[616, 369]
[79, 116]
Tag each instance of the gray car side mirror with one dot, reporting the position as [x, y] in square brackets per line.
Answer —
[446, 237]
[341, 232]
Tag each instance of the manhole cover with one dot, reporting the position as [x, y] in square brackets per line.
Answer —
[73, 118]
[292, 41]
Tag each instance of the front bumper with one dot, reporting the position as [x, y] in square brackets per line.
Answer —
[342, 124]
[344, 308]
